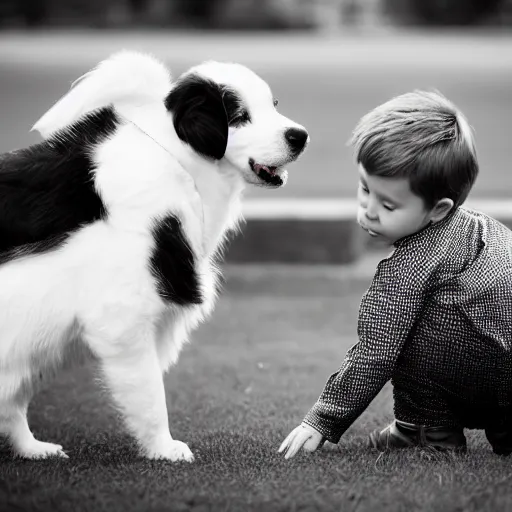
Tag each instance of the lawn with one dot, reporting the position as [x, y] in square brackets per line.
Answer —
[244, 382]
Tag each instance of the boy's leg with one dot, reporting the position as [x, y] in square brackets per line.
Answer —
[406, 435]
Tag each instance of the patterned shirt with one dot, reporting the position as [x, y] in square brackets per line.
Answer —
[437, 321]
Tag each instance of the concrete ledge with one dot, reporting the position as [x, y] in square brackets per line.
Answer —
[297, 231]
[296, 241]
[316, 231]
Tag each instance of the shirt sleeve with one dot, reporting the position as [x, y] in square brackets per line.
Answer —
[387, 315]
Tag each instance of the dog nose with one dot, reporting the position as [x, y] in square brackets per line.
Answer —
[296, 139]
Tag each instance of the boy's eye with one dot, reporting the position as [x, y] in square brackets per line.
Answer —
[276, 102]
[364, 188]
[388, 207]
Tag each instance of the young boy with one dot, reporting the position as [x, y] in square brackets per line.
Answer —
[437, 318]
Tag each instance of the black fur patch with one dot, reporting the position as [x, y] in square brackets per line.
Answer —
[199, 115]
[173, 264]
[47, 190]
[237, 114]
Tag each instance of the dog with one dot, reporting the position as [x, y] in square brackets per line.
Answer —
[113, 226]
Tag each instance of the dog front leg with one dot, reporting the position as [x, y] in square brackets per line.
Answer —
[132, 374]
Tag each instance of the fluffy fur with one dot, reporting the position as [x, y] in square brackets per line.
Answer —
[110, 229]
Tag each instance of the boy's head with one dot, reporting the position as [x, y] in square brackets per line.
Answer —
[417, 162]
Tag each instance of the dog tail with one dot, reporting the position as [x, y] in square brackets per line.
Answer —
[125, 77]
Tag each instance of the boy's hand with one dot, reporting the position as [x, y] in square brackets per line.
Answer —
[302, 436]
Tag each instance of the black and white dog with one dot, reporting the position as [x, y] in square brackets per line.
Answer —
[110, 228]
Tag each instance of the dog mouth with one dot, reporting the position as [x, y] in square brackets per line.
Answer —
[271, 175]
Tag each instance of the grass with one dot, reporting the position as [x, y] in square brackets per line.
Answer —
[244, 382]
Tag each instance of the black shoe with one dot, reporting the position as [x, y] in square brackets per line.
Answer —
[406, 435]
[390, 438]
[501, 441]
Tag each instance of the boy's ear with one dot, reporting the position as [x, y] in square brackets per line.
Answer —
[441, 209]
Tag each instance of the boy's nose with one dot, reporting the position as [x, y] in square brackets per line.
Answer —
[370, 211]
[370, 215]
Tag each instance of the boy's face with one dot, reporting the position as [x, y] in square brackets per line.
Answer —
[388, 209]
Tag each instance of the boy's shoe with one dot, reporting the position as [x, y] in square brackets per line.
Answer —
[407, 435]
[501, 441]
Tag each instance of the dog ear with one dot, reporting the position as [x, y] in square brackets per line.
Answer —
[199, 115]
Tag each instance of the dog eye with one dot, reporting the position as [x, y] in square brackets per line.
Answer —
[242, 118]
[276, 102]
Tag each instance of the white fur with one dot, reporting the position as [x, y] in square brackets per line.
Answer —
[95, 294]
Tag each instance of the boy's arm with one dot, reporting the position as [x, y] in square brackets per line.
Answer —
[386, 317]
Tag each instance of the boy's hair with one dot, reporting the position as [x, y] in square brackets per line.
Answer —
[421, 136]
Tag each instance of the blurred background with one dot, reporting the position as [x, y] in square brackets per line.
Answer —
[327, 61]
[252, 14]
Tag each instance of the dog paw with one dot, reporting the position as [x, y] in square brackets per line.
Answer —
[40, 450]
[174, 451]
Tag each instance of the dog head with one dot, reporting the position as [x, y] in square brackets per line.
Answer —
[221, 110]
[225, 110]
